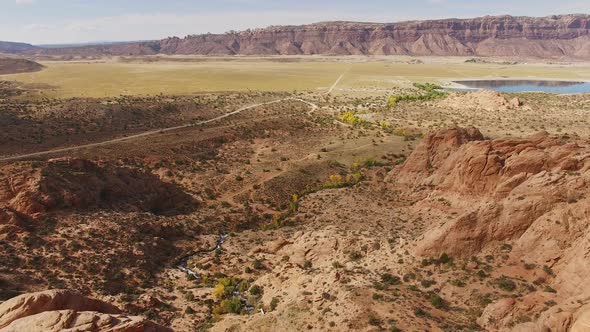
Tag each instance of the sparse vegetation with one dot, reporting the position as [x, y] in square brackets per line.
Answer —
[351, 118]
[428, 91]
[263, 183]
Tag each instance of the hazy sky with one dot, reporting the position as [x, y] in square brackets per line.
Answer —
[69, 21]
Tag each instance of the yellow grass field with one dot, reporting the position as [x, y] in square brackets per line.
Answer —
[114, 77]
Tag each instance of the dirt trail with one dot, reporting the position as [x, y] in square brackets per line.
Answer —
[231, 195]
[335, 84]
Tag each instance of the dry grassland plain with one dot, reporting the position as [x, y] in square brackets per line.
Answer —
[180, 76]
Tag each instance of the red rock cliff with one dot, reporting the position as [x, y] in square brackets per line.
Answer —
[547, 37]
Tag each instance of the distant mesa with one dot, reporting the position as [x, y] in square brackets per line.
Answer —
[562, 36]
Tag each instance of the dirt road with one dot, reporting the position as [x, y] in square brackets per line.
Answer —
[152, 132]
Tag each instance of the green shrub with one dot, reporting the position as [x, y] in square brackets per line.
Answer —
[232, 306]
[258, 265]
[437, 301]
[419, 312]
[374, 321]
[256, 290]
[224, 287]
[549, 289]
[390, 279]
[274, 303]
[548, 270]
[427, 283]
[445, 259]
[506, 284]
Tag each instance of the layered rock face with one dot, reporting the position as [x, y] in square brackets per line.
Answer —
[555, 36]
[63, 310]
[533, 193]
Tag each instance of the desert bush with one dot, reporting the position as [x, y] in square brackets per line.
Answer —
[437, 301]
[256, 290]
[274, 303]
[445, 259]
[506, 284]
[351, 118]
[427, 283]
[374, 321]
[389, 279]
[229, 306]
[428, 91]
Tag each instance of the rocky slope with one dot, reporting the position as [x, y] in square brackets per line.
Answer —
[123, 215]
[60, 310]
[530, 195]
[63, 184]
[547, 37]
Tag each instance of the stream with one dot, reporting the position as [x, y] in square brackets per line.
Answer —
[182, 265]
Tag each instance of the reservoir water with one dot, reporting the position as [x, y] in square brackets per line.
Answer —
[558, 87]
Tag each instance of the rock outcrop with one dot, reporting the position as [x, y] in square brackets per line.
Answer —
[514, 184]
[63, 310]
[533, 193]
[582, 323]
[547, 37]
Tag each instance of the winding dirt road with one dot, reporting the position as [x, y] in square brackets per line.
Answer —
[152, 132]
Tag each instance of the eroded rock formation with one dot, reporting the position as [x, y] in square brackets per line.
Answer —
[531, 192]
[63, 310]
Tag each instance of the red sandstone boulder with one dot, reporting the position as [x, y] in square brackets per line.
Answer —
[61, 310]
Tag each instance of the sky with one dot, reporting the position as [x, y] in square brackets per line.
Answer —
[78, 21]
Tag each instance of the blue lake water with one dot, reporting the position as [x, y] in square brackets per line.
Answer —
[558, 87]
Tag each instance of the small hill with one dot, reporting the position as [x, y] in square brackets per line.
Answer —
[483, 100]
[16, 66]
